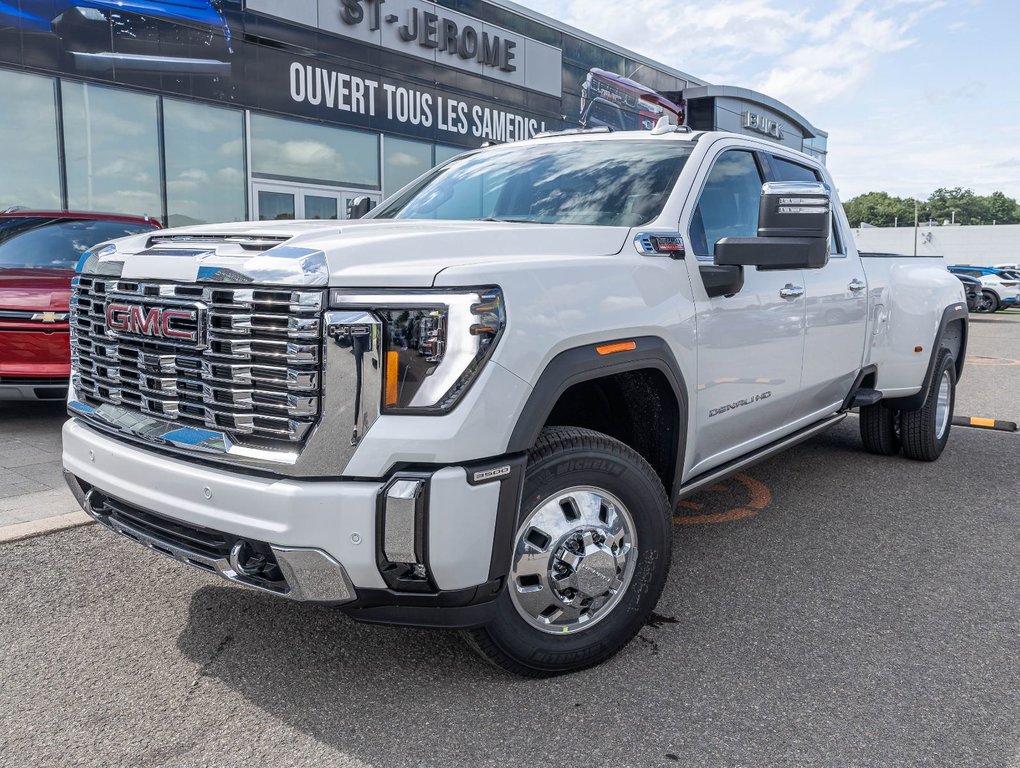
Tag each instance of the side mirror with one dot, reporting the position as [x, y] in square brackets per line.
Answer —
[360, 206]
[794, 221]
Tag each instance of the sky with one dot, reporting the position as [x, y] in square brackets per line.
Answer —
[915, 94]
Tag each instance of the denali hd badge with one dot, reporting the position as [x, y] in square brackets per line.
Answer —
[171, 323]
[739, 404]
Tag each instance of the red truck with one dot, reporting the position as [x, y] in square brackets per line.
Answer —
[38, 254]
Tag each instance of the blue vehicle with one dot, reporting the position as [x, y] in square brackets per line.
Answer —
[100, 37]
[1000, 288]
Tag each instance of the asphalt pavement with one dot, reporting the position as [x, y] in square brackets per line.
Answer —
[826, 608]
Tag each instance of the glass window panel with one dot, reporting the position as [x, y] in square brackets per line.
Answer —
[617, 183]
[275, 206]
[318, 207]
[444, 153]
[205, 179]
[308, 151]
[34, 241]
[112, 150]
[405, 162]
[29, 170]
[728, 206]
[790, 171]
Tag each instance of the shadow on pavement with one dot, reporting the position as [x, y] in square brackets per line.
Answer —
[860, 617]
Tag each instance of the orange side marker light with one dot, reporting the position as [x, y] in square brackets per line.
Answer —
[392, 366]
[620, 346]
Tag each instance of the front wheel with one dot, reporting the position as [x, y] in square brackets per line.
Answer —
[925, 432]
[988, 302]
[590, 556]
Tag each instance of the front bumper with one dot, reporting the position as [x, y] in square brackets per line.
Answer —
[327, 537]
[12, 388]
[302, 573]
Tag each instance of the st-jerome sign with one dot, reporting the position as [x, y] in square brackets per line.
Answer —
[430, 30]
[427, 31]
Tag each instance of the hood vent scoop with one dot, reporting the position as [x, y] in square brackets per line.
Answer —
[247, 242]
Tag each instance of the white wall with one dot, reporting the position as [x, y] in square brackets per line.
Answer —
[980, 245]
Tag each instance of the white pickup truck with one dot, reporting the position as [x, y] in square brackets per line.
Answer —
[477, 407]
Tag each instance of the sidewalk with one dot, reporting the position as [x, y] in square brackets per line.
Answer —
[33, 496]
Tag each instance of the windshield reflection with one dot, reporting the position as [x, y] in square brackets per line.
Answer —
[607, 183]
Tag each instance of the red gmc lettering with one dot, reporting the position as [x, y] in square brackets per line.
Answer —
[158, 322]
[145, 323]
[173, 333]
[117, 317]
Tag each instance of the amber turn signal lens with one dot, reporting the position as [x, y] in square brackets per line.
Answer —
[392, 376]
[620, 346]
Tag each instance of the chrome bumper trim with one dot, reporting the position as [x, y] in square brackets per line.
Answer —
[311, 575]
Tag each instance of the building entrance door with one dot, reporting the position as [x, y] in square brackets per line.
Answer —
[278, 201]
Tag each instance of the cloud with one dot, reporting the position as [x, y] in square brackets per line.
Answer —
[915, 94]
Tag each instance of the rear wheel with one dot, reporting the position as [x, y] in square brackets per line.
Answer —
[590, 556]
[880, 429]
[925, 432]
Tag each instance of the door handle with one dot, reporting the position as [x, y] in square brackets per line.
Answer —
[791, 291]
[856, 286]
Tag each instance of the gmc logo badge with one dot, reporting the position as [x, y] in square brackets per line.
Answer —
[158, 322]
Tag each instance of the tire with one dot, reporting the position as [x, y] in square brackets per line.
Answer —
[879, 430]
[623, 494]
[989, 302]
[925, 432]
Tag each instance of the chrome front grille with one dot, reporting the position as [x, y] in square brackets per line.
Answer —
[253, 370]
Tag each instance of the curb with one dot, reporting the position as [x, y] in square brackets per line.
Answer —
[980, 423]
[33, 528]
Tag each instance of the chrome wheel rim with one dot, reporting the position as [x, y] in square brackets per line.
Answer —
[574, 558]
[942, 405]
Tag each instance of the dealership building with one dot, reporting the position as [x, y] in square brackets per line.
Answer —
[223, 110]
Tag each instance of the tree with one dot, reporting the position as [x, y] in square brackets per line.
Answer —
[880, 209]
[1002, 209]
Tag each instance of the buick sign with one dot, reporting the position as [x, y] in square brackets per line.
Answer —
[763, 125]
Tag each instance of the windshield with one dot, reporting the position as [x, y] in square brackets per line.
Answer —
[621, 183]
[45, 242]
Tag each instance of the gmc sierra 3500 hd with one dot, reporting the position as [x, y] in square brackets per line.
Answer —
[477, 407]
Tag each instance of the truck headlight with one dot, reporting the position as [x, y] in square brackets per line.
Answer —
[434, 343]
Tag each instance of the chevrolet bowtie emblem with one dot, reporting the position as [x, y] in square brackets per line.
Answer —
[49, 317]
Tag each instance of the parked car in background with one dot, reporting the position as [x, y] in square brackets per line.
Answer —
[974, 293]
[38, 254]
[999, 291]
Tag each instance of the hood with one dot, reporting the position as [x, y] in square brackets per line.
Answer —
[40, 289]
[401, 253]
[367, 253]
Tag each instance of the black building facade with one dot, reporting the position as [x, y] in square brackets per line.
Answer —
[218, 110]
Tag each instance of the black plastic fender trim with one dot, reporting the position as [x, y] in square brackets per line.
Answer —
[455, 609]
[584, 363]
[954, 313]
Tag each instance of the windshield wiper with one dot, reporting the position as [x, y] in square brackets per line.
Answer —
[510, 221]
